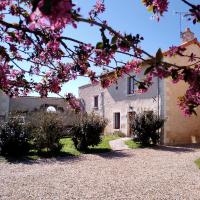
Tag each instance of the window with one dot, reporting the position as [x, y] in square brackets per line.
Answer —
[131, 85]
[96, 101]
[117, 120]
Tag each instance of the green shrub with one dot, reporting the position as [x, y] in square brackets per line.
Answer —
[146, 127]
[87, 131]
[47, 130]
[14, 137]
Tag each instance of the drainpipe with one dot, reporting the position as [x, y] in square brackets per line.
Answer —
[159, 112]
[158, 92]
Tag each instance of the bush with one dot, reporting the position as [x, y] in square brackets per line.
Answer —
[47, 130]
[14, 137]
[146, 127]
[87, 131]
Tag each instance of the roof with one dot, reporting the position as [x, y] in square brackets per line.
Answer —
[88, 85]
[84, 86]
[184, 45]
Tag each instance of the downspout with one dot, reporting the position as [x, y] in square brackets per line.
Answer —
[158, 93]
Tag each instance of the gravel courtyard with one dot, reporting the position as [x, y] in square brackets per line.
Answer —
[166, 173]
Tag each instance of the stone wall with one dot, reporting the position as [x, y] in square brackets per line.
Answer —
[29, 103]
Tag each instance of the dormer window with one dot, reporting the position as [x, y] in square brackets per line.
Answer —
[96, 101]
[131, 85]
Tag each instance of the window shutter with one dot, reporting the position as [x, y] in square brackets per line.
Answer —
[131, 83]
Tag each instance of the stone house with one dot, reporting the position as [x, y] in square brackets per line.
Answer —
[119, 105]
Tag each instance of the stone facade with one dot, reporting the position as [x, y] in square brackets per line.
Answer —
[161, 98]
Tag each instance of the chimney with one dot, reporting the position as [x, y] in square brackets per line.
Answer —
[187, 35]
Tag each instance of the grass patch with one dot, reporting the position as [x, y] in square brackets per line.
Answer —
[197, 163]
[103, 146]
[133, 145]
[68, 149]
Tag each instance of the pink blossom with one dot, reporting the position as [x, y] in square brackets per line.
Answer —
[103, 57]
[105, 83]
[179, 77]
[53, 46]
[13, 48]
[141, 91]
[54, 85]
[133, 66]
[14, 73]
[41, 89]
[160, 5]
[157, 6]
[148, 79]
[32, 26]
[3, 4]
[174, 50]
[73, 102]
[59, 13]
[99, 7]
[48, 73]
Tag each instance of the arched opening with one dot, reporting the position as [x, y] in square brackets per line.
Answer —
[51, 109]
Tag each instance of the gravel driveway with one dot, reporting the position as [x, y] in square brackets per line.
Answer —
[166, 173]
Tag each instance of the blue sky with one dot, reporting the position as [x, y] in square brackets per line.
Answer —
[131, 16]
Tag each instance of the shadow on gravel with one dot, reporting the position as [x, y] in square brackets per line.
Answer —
[178, 149]
[42, 158]
[33, 158]
[96, 150]
[114, 155]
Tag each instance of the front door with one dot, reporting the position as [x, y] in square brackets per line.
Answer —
[131, 116]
